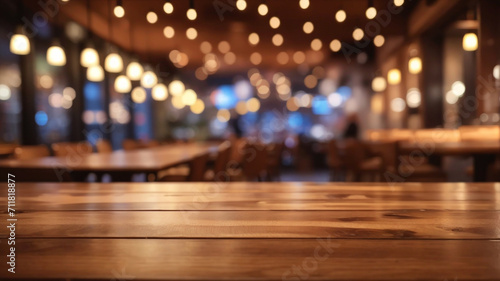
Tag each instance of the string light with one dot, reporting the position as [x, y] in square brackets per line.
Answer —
[253, 38]
[379, 40]
[399, 3]
[358, 34]
[168, 32]
[274, 22]
[371, 12]
[316, 44]
[304, 4]
[308, 27]
[335, 45]
[340, 16]
[191, 33]
[241, 5]
[191, 12]
[277, 40]
[152, 17]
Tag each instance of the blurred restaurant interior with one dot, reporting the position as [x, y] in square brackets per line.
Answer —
[178, 96]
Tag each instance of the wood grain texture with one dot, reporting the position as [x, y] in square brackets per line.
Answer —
[262, 224]
[257, 196]
[258, 259]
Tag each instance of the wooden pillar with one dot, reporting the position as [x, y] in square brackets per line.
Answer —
[488, 55]
[432, 81]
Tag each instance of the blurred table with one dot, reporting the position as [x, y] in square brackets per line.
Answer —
[119, 163]
[483, 152]
[256, 231]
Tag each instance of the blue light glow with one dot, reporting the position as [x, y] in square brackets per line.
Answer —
[225, 98]
[92, 91]
[41, 118]
[320, 106]
[345, 92]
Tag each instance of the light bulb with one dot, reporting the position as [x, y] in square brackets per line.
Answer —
[399, 3]
[371, 13]
[122, 84]
[335, 45]
[168, 8]
[304, 4]
[358, 34]
[470, 42]
[135, 71]
[176, 88]
[340, 16]
[379, 40]
[113, 63]
[19, 44]
[152, 17]
[159, 92]
[189, 97]
[95, 73]
[191, 14]
[89, 57]
[149, 79]
[241, 5]
[119, 11]
[263, 9]
[138, 95]
[379, 84]
[415, 65]
[56, 56]
[394, 76]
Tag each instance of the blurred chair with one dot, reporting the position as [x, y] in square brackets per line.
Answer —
[64, 149]
[361, 164]
[195, 173]
[218, 173]
[129, 144]
[335, 162]
[480, 133]
[31, 151]
[274, 154]
[253, 165]
[104, 146]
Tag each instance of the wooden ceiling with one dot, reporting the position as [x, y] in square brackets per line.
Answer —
[232, 25]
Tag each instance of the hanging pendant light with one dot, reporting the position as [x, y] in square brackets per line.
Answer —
[95, 73]
[149, 79]
[19, 43]
[56, 55]
[159, 92]
[113, 63]
[470, 42]
[89, 57]
[123, 84]
[176, 88]
[119, 11]
[371, 11]
[168, 7]
[415, 65]
[191, 12]
[135, 71]
[394, 76]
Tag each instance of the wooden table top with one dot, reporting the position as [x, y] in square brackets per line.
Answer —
[452, 148]
[141, 160]
[256, 231]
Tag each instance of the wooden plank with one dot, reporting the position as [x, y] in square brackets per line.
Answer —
[265, 224]
[256, 196]
[257, 259]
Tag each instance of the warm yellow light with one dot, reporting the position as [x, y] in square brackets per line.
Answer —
[56, 56]
[168, 8]
[358, 34]
[263, 9]
[299, 57]
[415, 65]
[316, 44]
[89, 57]
[379, 40]
[253, 38]
[398, 105]
[113, 63]
[46, 81]
[135, 71]
[335, 45]
[394, 76]
[310, 81]
[119, 11]
[304, 4]
[308, 27]
[19, 44]
[168, 32]
[241, 108]
[223, 115]
[159, 92]
[149, 79]
[5, 92]
[371, 13]
[277, 40]
[201, 73]
[399, 3]
[255, 58]
[176, 88]
[274, 22]
[224, 47]
[292, 104]
[379, 84]
[241, 5]
[191, 33]
[283, 58]
[122, 84]
[177, 102]
[470, 42]
[198, 107]
[229, 58]
[205, 47]
[377, 103]
[95, 73]
[253, 105]
[413, 98]
[340, 16]
[191, 14]
[138, 95]
[496, 72]
[152, 17]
